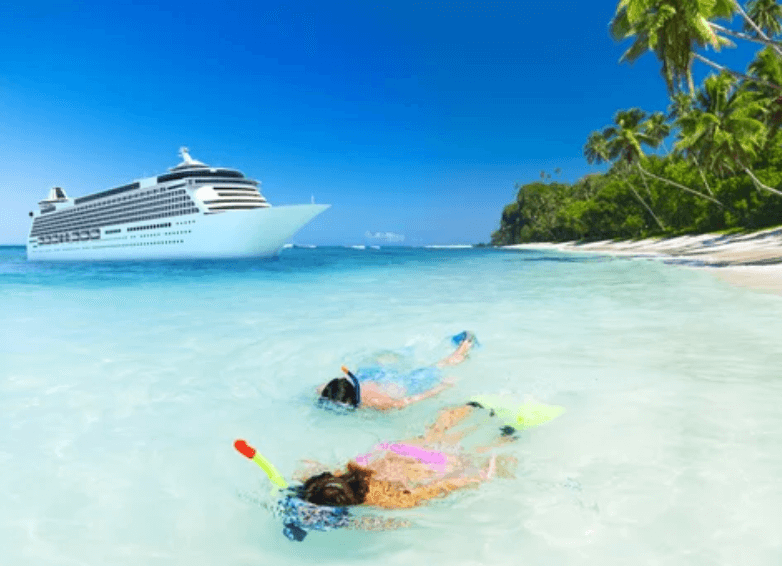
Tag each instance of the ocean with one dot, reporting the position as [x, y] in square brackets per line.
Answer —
[124, 385]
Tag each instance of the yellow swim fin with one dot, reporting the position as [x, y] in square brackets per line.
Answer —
[518, 415]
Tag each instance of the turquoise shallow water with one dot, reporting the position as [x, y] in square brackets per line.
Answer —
[123, 386]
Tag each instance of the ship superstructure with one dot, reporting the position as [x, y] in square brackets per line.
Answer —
[193, 211]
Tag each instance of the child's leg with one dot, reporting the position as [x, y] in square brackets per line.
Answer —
[448, 418]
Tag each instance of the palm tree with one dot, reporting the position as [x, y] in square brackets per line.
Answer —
[674, 29]
[625, 140]
[625, 137]
[768, 68]
[597, 150]
[767, 14]
[681, 104]
[761, 20]
[671, 29]
[658, 128]
[724, 130]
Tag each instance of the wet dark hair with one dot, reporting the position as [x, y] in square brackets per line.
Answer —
[340, 390]
[337, 491]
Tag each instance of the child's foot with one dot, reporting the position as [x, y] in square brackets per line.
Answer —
[462, 337]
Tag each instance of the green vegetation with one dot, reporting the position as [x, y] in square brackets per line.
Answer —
[725, 169]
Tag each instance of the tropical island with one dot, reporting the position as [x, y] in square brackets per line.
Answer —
[723, 170]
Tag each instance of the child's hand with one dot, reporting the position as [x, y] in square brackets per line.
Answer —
[489, 471]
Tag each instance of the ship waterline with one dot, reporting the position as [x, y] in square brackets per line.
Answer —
[195, 211]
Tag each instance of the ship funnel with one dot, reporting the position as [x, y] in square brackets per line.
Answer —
[56, 193]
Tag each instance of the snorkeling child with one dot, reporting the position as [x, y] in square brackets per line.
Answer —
[401, 474]
[407, 473]
[383, 389]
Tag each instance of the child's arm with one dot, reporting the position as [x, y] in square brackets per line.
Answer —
[443, 487]
[375, 523]
[436, 390]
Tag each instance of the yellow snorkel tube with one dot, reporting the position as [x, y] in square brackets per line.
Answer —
[249, 452]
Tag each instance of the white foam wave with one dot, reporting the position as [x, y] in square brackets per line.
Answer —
[448, 246]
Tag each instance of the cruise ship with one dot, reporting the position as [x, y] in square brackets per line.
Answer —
[193, 211]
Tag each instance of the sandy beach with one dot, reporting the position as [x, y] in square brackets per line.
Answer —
[751, 260]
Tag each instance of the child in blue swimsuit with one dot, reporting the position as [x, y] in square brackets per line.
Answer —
[383, 388]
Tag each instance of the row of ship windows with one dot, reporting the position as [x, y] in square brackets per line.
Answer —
[132, 199]
[118, 190]
[104, 194]
[125, 245]
[232, 181]
[69, 237]
[219, 207]
[248, 190]
[235, 199]
[149, 227]
[73, 237]
[80, 213]
[155, 191]
[152, 235]
[140, 244]
[164, 212]
[212, 173]
[231, 177]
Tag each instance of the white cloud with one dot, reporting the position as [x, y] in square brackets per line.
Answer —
[388, 237]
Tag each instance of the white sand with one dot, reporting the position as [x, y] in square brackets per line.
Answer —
[751, 260]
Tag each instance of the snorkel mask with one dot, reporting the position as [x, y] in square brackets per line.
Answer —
[298, 516]
[332, 404]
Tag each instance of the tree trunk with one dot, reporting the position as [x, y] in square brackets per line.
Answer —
[705, 182]
[648, 192]
[753, 25]
[677, 185]
[763, 41]
[736, 74]
[690, 81]
[757, 182]
[646, 206]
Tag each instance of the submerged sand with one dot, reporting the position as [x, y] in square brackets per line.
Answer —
[751, 260]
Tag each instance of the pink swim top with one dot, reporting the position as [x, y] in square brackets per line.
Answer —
[436, 460]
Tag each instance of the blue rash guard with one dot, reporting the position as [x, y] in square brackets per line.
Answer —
[413, 382]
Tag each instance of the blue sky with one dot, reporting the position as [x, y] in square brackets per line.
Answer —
[414, 118]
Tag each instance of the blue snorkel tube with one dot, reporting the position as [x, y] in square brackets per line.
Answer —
[355, 384]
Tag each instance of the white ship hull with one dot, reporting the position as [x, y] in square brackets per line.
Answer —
[256, 233]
